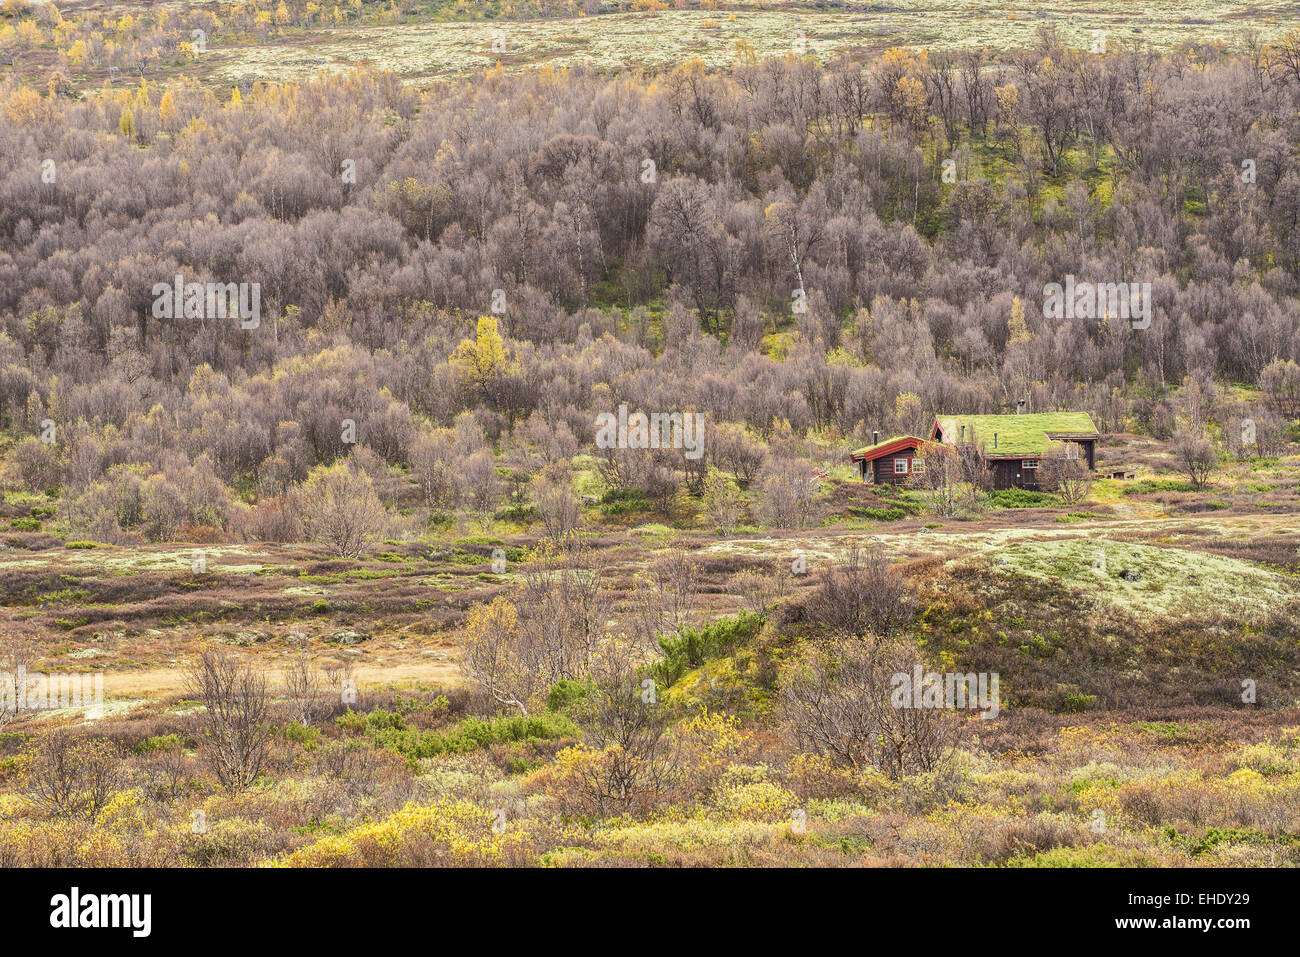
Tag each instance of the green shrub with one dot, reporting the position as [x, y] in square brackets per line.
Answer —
[440, 521]
[474, 733]
[302, 734]
[160, 742]
[691, 647]
[564, 693]
[381, 720]
[1167, 729]
[390, 730]
[405, 705]
[1088, 855]
[1021, 498]
[519, 765]
[351, 721]
[1215, 836]
[621, 501]
[877, 514]
[1147, 486]
[1076, 701]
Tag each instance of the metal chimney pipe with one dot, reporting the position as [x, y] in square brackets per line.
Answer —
[995, 440]
[875, 437]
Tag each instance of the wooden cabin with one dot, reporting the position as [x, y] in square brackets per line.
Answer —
[892, 462]
[1012, 447]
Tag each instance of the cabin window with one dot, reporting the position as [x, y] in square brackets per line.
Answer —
[918, 465]
[1028, 464]
[900, 466]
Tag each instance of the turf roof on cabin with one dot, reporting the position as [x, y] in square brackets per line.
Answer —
[1026, 434]
[868, 449]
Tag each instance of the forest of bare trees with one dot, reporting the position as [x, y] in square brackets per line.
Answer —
[785, 247]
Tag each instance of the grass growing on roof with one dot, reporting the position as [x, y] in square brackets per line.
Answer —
[1016, 434]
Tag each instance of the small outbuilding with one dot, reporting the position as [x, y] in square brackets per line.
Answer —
[892, 462]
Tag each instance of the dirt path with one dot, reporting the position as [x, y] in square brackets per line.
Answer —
[159, 682]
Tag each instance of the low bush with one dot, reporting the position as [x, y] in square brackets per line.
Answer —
[1021, 498]
[1148, 486]
[390, 730]
[692, 647]
[877, 514]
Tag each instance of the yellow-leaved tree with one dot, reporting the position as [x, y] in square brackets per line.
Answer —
[167, 107]
[482, 364]
[909, 414]
[1020, 356]
[341, 509]
[499, 657]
